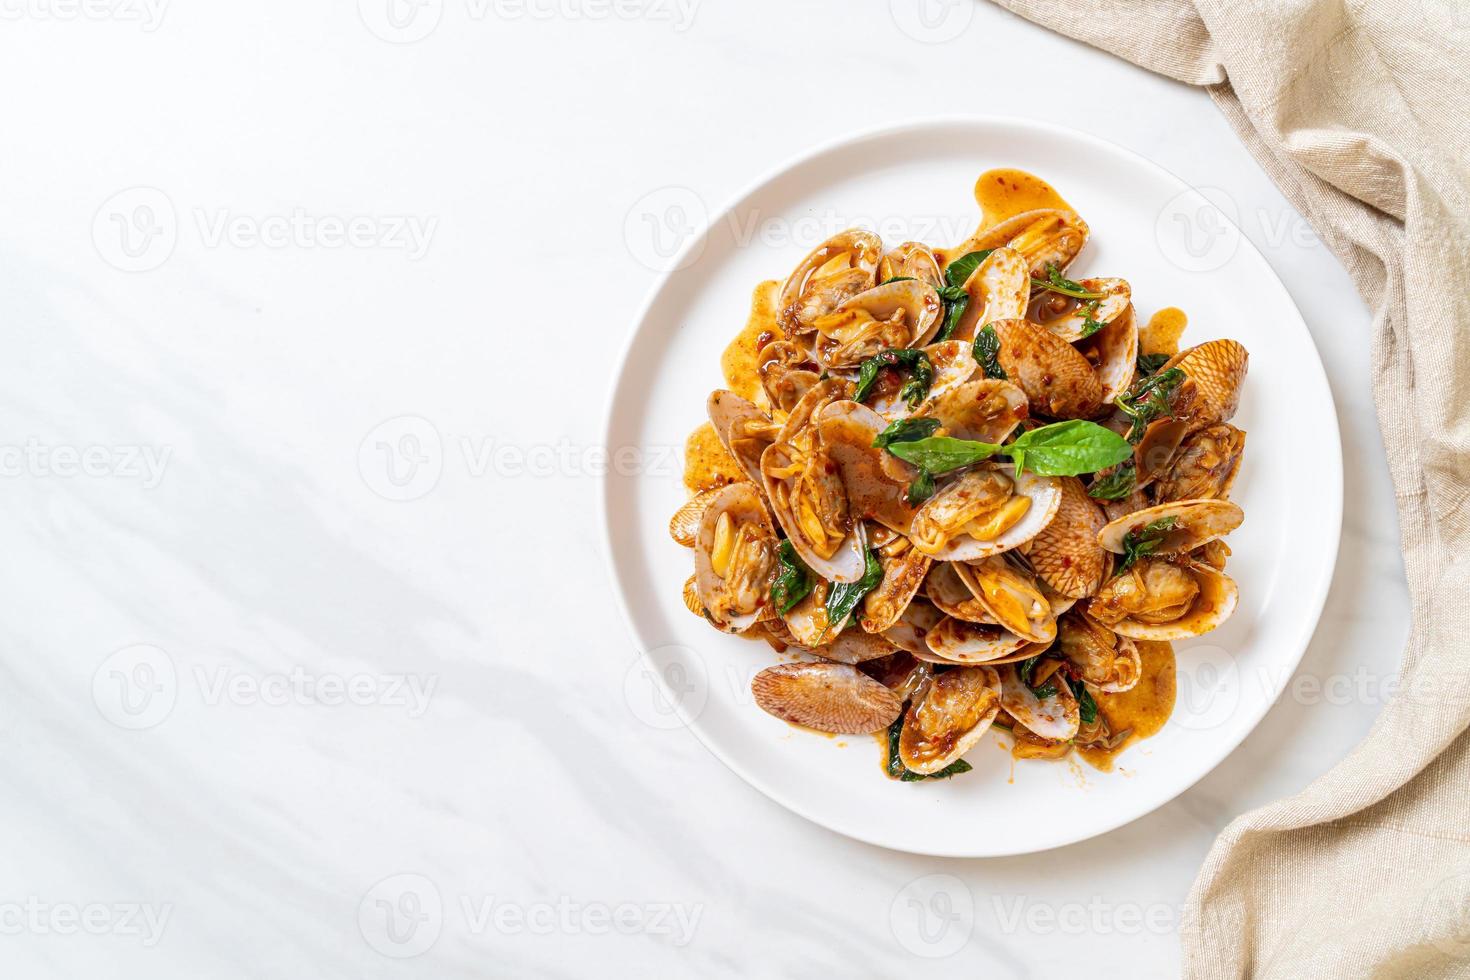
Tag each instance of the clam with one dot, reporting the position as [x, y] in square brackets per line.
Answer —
[911, 260]
[1113, 354]
[876, 481]
[735, 558]
[948, 714]
[1066, 555]
[820, 395]
[953, 365]
[1048, 236]
[1218, 369]
[1164, 600]
[1055, 716]
[985, 511]
[684, 525]
[904, 568]
[1180, 525]
[1057, 379]
[1068, 318]
[809, 500]
[985, 410]
[744, 430]
[1011, 596]
[913, 625]
[955, 641]
[1205, 465]
[998, 289]
[692, 602]
[787, 372]
[895, 315]
[828, 697]
[837, 270]
[952, 597]
[1104, 659]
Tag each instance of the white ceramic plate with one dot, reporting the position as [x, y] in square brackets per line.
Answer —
[1177, 250]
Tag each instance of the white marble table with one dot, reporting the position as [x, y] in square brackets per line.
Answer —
[311, 661]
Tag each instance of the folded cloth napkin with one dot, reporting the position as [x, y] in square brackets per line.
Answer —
[1358, 110]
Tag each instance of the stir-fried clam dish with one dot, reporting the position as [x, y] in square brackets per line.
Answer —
[967, 489]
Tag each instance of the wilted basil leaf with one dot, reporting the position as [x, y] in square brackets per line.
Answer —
[1149, 363]
[1057, 283]
[1068, 449]
[956, 301]
[1145, 541]
[920, 378]
[897, 770]
[959, 271]
[843, 597]
[1117, 485]
[987, 352]
[1091, 326]
[1086, 706]
[906, 430]
[793, 580]
[921, 488]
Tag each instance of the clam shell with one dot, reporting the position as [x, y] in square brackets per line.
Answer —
[951, 596]
[742, 503]
[876, 480]
[1085, 643]
[1114, 351]
[1047, 236]
[805, 295]
[784, 374]
[692, 601]
[918, 301]
[984, 409]
[684, 525]
[1055, 717]
[902, 576]
[1046, 497]
[1066, 554]
[828, 697]
[1058, 381]
[990, 578]
[961, 704]
[1199, 522]
[911, 260]
[1215, 603]
[817, 396]
[954, 364]
[847, 563]
[913, 625]
[725, 410]
[955, 641]
[1205, 466]
[999, 289]
[1068, 326]
[1218, 368]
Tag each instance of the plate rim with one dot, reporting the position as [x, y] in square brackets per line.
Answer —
[1319, 592]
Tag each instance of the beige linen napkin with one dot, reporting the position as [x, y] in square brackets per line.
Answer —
[1360, 110]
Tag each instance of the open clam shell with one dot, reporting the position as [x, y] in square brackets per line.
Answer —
[911, 260]
[1195, 523]
[998, 289]
[818, 396]
[1047, 236]
[684, 525]
[1211, 605]
[934, 532]
[1070, 323]
[954, 364]
[786, 373]
[952, 597]
[947, 716]
[1066, 554]
[1055, 716]
[735, 559]
[782, 467]
[1058, 380]
[828, 697]
[983, 409]
[955, 641]
[903, 574]
[1011, 596]
[1113, 352]
[836, 270]
[876, 481]
[913, 625]
[1105, 660]
[897, 314]
[1218, 369]
[744, 430]
[1206, 465]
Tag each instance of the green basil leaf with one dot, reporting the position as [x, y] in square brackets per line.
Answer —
[1068, 448]
[921, 488]
[1057, 283]
[1117, 485]
[1091, 326]
[1086, 706]
[793, 581]
[1148, 399]
[940, 454]
[844, 596]
[1145, 541]
[1047, 690]
[954, 311]
[987, 352]
[921, 374]
[906, 430]
[1026, 668]
[1149, 363]
[958, 272]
